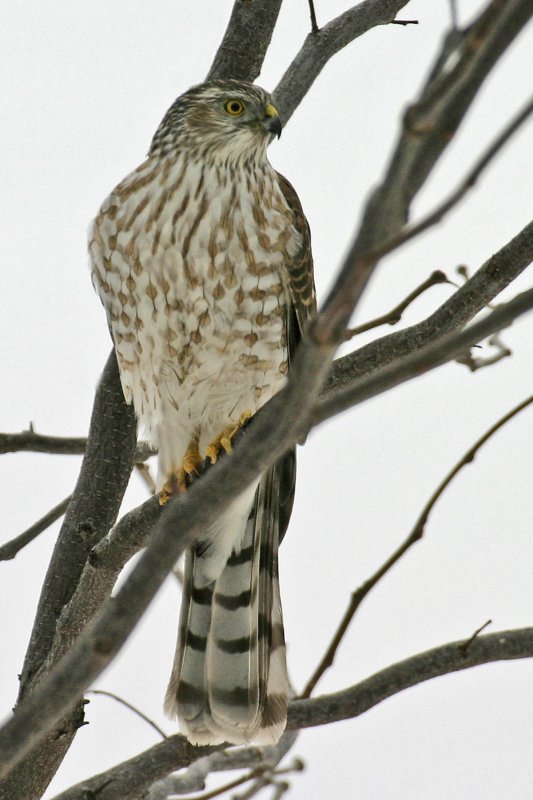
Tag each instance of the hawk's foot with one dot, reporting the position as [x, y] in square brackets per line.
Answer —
[181, 478]
[223, 442]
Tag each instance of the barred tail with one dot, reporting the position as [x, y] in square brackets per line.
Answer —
[229, 681]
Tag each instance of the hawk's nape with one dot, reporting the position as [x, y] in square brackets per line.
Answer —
[202, 259]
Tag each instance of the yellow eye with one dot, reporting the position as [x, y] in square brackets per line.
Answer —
[234, 107]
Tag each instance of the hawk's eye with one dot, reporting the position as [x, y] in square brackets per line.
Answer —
[234, 107]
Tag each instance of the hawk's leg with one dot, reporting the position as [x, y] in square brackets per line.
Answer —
[223, 442]
[181, 478]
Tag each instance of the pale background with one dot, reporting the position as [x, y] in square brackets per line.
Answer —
[84, 86]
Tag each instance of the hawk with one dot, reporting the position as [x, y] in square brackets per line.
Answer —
[202, 260]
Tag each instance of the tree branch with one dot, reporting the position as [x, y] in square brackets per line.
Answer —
[426, 358]
[31, 442]
[393, 316]
[414, 536]
[443, 660]
[134, 776]
[320, 45]
[10, 549]
[243, 48]
[495, 275]
[92, 511]
[279, 424]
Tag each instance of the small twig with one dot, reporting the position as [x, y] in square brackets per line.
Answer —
[146, 476]
[464, 647]
[131, 708]
[465, 185]
[404, 22]
[415, 535]
[453, 15]
[395, 314]
[10, 549]
[31, 442]
[255, 773]
[475, 363]
[312, 14]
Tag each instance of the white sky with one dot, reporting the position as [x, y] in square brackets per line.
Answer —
[84, 86]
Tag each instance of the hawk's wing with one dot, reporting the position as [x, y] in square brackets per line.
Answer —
[300, 309]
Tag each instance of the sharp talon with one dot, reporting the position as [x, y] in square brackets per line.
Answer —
[223, 442]
[181, 478]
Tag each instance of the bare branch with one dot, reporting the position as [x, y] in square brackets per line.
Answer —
[474, 636]
[29, 441]
[423, 360]
[10, 549]
[467, 183]
[133, 778]
[136, 775]
[320, 45]
[243, 48]
[414, 536]
[497, 273]
[430, 123]
[479, 362]
[131, 708]
[92, 511]
[193, 778]
[278, 425]
[312, 14]
[393, 316]
[352, 702]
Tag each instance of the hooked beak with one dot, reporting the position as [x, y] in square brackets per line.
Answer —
[272, 122]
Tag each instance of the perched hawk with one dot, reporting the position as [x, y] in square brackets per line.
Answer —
[202, 259]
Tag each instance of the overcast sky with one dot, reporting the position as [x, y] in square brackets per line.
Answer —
[84, 84]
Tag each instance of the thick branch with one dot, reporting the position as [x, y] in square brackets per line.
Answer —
[272, 432]
[184, 519]
[92, 511]
[243, 48]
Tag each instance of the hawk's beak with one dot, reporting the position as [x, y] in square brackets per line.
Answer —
[272, 121]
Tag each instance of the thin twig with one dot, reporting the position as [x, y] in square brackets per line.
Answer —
[228, 786]
[312, 14]
[395, 314]
[404, 22]
[415, 535]
[453, 15]
[464, 186]
[479, 362]
[144, 471]
[10, 549]
[31, 442]
[131, 708]
[464, 647]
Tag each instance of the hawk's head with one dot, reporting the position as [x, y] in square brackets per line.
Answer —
[219, 118]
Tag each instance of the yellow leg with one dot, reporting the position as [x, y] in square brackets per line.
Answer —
[179, 479]
[224, 440]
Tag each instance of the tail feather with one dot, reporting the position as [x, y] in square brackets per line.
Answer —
[229, 681]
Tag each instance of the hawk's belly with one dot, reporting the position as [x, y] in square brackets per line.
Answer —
[193, 280]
